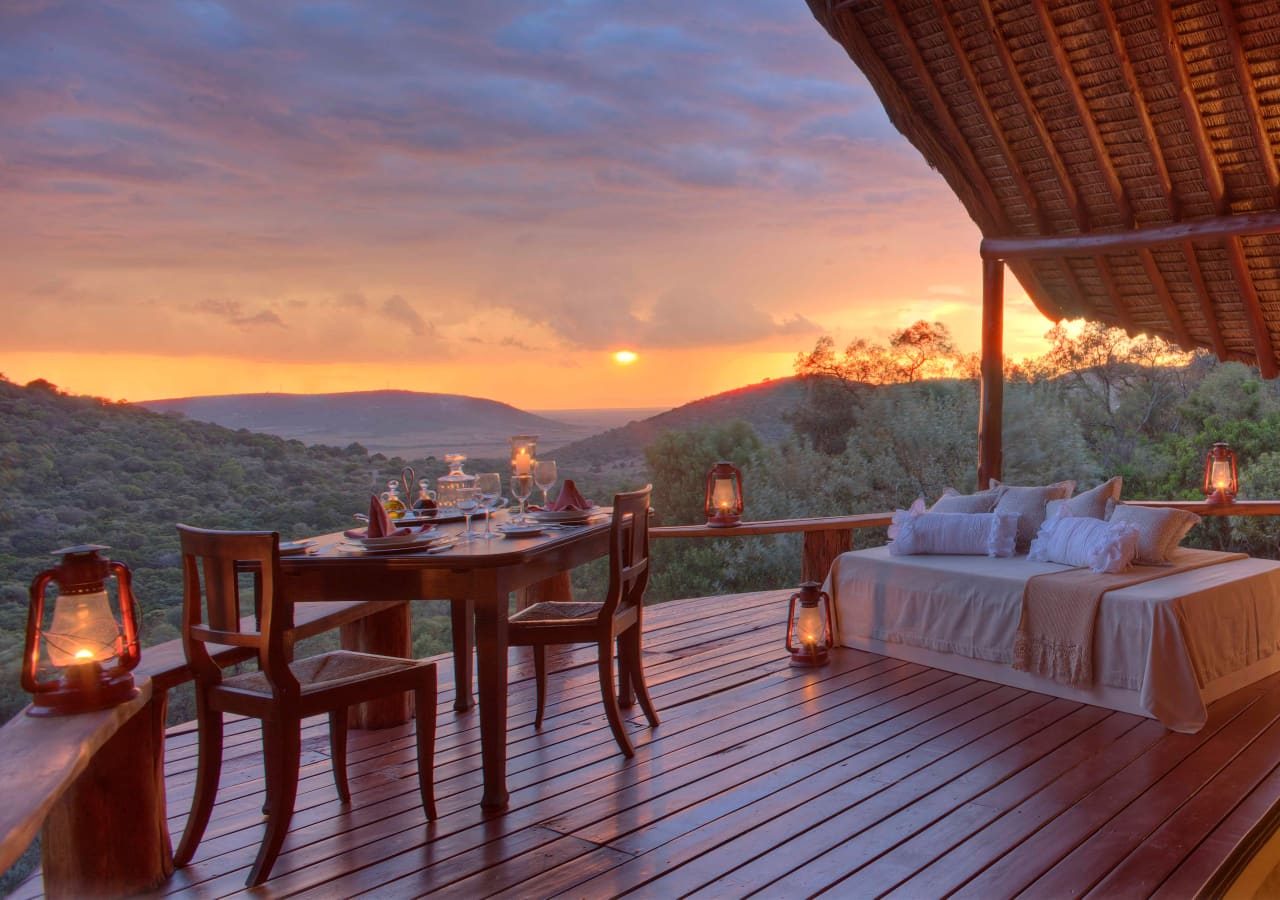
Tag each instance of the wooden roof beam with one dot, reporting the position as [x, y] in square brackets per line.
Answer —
[1102, 156]
[1143, 114]
[1259, 333]
[942, 109]
[1249, 95]
[1014, 80]
[1213, 227]
[882, 80]
[983, 102]
[1253, 310]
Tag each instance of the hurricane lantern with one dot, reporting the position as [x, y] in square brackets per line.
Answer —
[88, 651]
[809, 625]
[723, 499]
[1221, 480]
[524, 453]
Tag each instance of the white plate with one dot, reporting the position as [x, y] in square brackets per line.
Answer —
[567, 515]
[293, 548]
[512, 530]
[396, 540]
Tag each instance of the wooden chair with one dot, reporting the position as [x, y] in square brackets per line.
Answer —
[281, 693]
[618, 619]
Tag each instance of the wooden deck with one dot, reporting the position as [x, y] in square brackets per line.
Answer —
[868, 777]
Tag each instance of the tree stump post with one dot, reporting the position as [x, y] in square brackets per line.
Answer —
[820, 550]
[108, 835]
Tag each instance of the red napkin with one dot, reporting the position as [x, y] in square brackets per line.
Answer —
[570, 499]
[379, 523]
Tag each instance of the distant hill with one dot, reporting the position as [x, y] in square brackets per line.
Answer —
[407, 423]
[760, 405]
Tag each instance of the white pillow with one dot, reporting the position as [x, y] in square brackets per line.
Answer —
[1085, 541]
[916, 532]
[1029, 503]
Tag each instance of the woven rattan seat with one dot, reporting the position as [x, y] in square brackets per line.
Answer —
[617, 619]
[551, 611]
[318, 673]
[283, 691]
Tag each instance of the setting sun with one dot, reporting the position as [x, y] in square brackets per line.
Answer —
[625, 357]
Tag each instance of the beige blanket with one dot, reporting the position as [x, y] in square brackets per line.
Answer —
[1055, 631]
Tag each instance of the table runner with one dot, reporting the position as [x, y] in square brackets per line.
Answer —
[1056, 627]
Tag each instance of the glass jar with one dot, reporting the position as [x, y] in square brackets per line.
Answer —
[392, 501]
[456, 483]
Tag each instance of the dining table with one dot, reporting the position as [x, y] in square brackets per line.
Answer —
[477, 577]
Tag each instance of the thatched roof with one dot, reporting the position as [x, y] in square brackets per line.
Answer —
[1074, 117]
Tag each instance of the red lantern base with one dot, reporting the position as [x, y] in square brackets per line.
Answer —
[1219, 498]
[810, 659]
[723, 521]
[83, 689]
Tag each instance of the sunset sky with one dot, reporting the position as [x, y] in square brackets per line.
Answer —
[487, 197]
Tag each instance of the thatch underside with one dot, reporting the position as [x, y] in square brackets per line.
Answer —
[1067, 117]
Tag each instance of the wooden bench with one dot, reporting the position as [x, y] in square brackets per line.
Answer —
[93, 783]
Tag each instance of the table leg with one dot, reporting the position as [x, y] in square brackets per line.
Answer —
[491, 663]
[388, 633]
[462, 613]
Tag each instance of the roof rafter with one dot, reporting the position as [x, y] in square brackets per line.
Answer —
[1102, 156]
[1143, 114]
[1259, 332]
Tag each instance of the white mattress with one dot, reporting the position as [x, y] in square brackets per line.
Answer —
[1164, 648]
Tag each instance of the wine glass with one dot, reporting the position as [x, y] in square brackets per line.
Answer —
[489, 484]
[544, 476]
[521, 488]
[468, 501]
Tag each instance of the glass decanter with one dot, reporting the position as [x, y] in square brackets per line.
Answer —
[456, 483]
[392, 502]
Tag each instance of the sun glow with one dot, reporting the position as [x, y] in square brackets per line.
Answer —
[625, 357]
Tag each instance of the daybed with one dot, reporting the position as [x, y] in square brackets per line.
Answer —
[1162, 649]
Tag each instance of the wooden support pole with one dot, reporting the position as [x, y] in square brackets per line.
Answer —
[991, 397]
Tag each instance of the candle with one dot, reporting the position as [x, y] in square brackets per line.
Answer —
[523, 464]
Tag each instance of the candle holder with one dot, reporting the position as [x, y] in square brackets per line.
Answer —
[723, 499]
[524, 453]
[809, 626]
[1221, 478]
[91, 652]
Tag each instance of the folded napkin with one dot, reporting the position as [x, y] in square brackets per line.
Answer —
[570, 498]
[379, 523]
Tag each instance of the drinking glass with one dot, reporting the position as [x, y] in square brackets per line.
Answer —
[521, 488]
[544, 476]
[468, 501]
[489, 484]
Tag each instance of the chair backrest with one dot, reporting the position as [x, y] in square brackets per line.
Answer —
[628, 552]
[212, 563]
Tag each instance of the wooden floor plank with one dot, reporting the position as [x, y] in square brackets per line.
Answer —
[871, 776]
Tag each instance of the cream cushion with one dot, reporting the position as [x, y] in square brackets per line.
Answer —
[1160, 531]
[952, 501]
[1030, 505]
[1091, 503]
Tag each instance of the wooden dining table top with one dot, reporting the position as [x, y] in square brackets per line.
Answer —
[337, 550]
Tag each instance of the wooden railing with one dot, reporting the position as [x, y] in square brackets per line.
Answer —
[827, 537]
[824, 538]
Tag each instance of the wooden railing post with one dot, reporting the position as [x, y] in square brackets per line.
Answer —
[820, 550]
